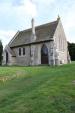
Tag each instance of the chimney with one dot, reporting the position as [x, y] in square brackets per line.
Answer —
[33, 27]
[33, 30]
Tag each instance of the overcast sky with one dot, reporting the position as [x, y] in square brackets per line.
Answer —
[17, 14]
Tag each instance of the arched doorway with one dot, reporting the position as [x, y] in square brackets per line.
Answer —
[6, 57]
[44, 54]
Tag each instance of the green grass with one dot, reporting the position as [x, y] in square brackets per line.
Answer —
[37, 89]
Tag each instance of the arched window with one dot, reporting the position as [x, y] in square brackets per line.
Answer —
[44, 54]
[19, 51]
[23, 51]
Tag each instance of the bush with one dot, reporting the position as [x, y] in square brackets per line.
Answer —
[71, 48]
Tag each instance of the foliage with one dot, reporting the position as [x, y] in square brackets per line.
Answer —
[37, 89]
[71, 47]
[1, 51]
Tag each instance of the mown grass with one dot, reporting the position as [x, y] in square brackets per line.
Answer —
[40, 89]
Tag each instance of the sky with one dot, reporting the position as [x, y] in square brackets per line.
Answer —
[17, 14]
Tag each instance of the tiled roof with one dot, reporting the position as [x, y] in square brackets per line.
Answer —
[43, 33]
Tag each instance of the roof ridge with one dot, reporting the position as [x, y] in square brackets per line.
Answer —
[41, 25]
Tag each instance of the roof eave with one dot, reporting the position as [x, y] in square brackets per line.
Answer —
[51, 39]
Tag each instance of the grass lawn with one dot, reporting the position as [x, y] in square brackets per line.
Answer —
[37, 89]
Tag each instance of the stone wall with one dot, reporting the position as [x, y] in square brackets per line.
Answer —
[11, 60]
[37, 52]
[60, 44]
[32, 54]
[23, 60]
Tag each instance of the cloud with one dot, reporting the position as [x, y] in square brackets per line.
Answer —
[44, 2]
[6, 36]
[30, 8]
[69, 22]
[16, 15]
[33, 7]
[27, 7]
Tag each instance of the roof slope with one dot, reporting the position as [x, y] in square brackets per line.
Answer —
[43, 33]
[7, 48]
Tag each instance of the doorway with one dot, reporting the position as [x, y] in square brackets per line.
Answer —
[44, 54]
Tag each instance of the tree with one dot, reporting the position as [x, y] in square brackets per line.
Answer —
[71, 48]
[1, 51]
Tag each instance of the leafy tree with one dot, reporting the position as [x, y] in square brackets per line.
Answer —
[71, 47]
[1, 51]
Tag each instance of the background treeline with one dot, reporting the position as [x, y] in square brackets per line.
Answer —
[71, 48]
